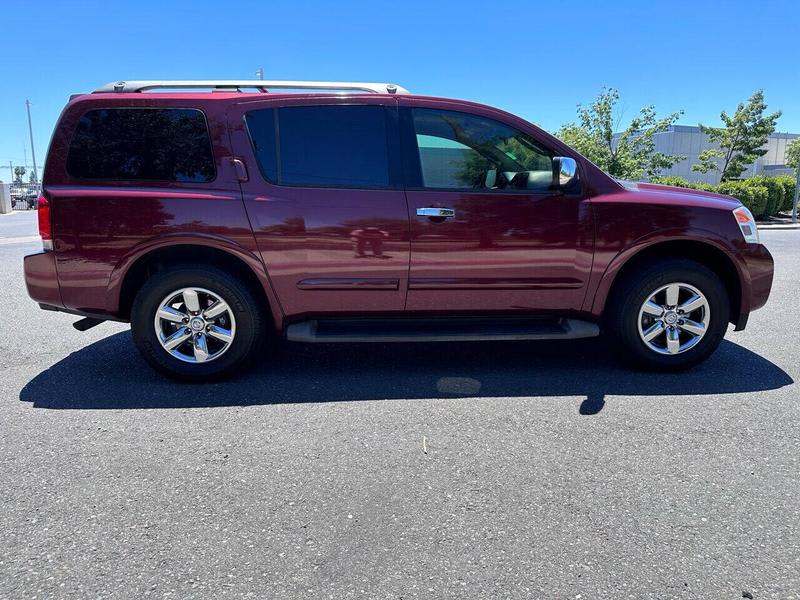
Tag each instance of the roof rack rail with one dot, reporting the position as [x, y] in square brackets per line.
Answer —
[261, 85]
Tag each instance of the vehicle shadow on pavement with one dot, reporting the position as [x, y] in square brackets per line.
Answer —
[110, 374]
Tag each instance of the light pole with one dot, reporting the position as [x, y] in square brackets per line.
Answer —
[30, 132]
[796, 192]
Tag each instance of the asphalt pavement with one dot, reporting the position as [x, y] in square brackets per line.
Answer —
[482, 470]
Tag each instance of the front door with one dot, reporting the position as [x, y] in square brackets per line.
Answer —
[325, 200]
[488, 229]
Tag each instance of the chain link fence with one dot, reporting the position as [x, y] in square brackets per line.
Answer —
[24, 196]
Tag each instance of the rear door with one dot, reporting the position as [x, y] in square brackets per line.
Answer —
[325, 199]
[488, 230]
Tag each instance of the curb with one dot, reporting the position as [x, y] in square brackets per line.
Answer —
[19, 240]
[765, 226]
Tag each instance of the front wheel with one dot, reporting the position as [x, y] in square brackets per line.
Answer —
[669, 315]
[196, 323]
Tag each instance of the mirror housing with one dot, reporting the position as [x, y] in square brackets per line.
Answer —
[565, 172]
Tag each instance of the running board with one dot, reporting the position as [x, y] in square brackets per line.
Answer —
[442, 329]
[86, 323]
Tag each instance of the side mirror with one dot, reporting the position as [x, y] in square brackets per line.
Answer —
[565, 172]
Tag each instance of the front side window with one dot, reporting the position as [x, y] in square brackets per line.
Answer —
[326, 146]
[462, 151]
[153, 144]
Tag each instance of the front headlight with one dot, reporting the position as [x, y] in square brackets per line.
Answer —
[747, 224]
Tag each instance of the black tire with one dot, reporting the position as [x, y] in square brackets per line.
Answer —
[248, 314]
[624, 304]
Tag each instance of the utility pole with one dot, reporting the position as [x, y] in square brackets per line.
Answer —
[30, 132]
[260, 73]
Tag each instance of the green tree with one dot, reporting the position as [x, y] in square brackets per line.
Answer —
[741, 141]
[793, 153]
[32, 177]
[18, 173]
[628, 155]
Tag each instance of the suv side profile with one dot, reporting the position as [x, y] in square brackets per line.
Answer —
[214, 219]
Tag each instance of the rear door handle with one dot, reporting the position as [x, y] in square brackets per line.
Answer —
[241, 170]
[431, 211]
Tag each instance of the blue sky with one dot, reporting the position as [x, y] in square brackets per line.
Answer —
[537, 58]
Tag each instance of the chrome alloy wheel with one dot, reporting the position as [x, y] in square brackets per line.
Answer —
[674, 318]
[195, 325]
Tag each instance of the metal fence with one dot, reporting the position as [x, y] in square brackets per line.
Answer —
[24, 196]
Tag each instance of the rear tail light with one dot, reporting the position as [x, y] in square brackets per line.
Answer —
[45, 224]
[747, 224]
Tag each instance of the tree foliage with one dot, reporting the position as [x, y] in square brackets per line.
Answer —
[629, 155]
[741, 140]
[18, 173]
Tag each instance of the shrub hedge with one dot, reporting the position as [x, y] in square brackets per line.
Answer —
[681, 182]
[788, 182]
[764, 196]
[774, 193]
[753, 196]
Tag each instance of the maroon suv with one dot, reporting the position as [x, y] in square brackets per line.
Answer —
[212, 217]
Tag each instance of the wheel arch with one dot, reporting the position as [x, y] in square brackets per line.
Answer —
[703, 252]
[131, 274]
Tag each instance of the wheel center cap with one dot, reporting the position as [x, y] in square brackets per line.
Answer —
[197, 324]
[671, 318]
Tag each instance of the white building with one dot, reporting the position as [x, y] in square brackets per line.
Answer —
[688, 141]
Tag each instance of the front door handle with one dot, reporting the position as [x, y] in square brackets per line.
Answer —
[431, 211]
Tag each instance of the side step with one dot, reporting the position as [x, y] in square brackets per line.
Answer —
[86, 323]
[442, 329]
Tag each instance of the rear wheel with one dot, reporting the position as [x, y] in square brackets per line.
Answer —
[669, 315]
[196, 323]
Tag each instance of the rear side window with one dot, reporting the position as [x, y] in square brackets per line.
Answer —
[261, 127]
[325, 146]
[153, 144]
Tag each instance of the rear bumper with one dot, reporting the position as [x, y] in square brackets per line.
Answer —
[759, 270]
[41, 279]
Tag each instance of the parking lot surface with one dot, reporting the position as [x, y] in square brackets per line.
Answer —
[516, 470]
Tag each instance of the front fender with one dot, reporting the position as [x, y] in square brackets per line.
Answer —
[610, 268]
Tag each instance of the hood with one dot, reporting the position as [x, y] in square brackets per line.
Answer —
[668, 194]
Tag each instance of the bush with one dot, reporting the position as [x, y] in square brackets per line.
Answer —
[764, 196]
[788, 182]
[775, 192]
[672, 180]
[680, 182]
[752, 195]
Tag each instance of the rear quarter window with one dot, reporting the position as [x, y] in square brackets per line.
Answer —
[328, 146]
[147, 144]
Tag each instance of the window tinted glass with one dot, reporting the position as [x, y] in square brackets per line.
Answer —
[343, 146]
[459, 151]
[170, 144]
[261, 126]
